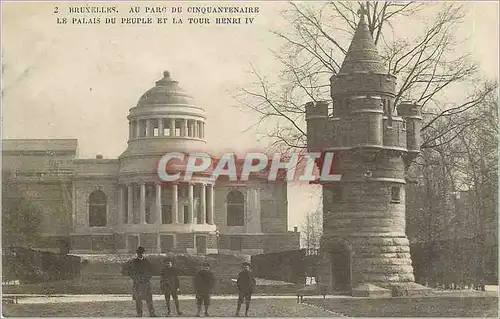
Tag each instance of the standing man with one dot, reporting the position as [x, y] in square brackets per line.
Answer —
[140, 270]
[204, 282]
[246, 283]
[169, 281]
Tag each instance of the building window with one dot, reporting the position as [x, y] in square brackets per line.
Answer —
[166, 243]
[186, 215]
[235, 208]
[148, 215]
[236, 243]
[166, 214]
[183, 191]
[97, 209]
[395, 194]
[404, 125]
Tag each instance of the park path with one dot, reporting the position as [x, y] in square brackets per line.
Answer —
[44, 299]
[220, 307]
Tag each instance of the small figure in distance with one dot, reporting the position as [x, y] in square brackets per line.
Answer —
[204, 282]
[169, 282]
[246, 284]
[140, 270]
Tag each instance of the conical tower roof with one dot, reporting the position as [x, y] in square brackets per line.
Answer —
[362, 54]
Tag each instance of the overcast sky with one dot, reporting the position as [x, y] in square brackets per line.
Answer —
[79, 81]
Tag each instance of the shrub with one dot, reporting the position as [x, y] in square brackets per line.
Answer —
[186, 265]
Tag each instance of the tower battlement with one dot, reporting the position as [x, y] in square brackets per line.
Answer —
[317, 125]
[316, 109]
[409, 109]
[412, 114]
[366, 82]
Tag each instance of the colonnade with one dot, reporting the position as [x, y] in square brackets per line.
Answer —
[128, 206]
[173, 127]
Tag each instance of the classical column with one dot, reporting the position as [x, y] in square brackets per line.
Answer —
[130, 204]
[137, 128]
[172, 127]
[203, 210]
[175, 204]
[184, 129]
[87, 212]
[181, 214]
[74, 203]
[160, 127]
[196, 129]
[142, 211]
[158, 204]
[202, 129]
[148, 128]
[130, 130]
[190, 204]
[211, 204]
[121, 212]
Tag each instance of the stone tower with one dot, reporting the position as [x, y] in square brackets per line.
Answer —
[364, 241]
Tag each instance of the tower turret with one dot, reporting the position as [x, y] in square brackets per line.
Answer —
[317, 128]
[412, 114]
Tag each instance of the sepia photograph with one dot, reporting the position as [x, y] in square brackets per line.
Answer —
[249, 158]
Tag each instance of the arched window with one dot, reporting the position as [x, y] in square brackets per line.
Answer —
[97, 209]
[235, 208]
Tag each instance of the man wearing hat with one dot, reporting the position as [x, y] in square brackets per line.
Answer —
[204, 282]
[246, 283]
[169, 281]
[140, 270]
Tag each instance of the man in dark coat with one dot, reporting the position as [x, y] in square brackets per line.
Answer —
[246, 283]
[204, 282]
[140, 270]
[169, 281]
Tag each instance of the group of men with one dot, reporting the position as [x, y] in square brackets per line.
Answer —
[140, 270]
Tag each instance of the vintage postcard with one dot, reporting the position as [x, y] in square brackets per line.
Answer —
[260, 158]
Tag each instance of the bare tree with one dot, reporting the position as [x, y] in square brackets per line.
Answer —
[21, 217]
[427, 65]
[311, 230]
[455, 198]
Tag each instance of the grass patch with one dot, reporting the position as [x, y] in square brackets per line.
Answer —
[412, 307]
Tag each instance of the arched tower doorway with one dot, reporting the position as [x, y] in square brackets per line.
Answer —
[335, 268]
[340, 258]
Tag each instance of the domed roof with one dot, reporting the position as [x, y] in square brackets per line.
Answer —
[166, 92]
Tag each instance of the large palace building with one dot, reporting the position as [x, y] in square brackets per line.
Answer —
[114, 205]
